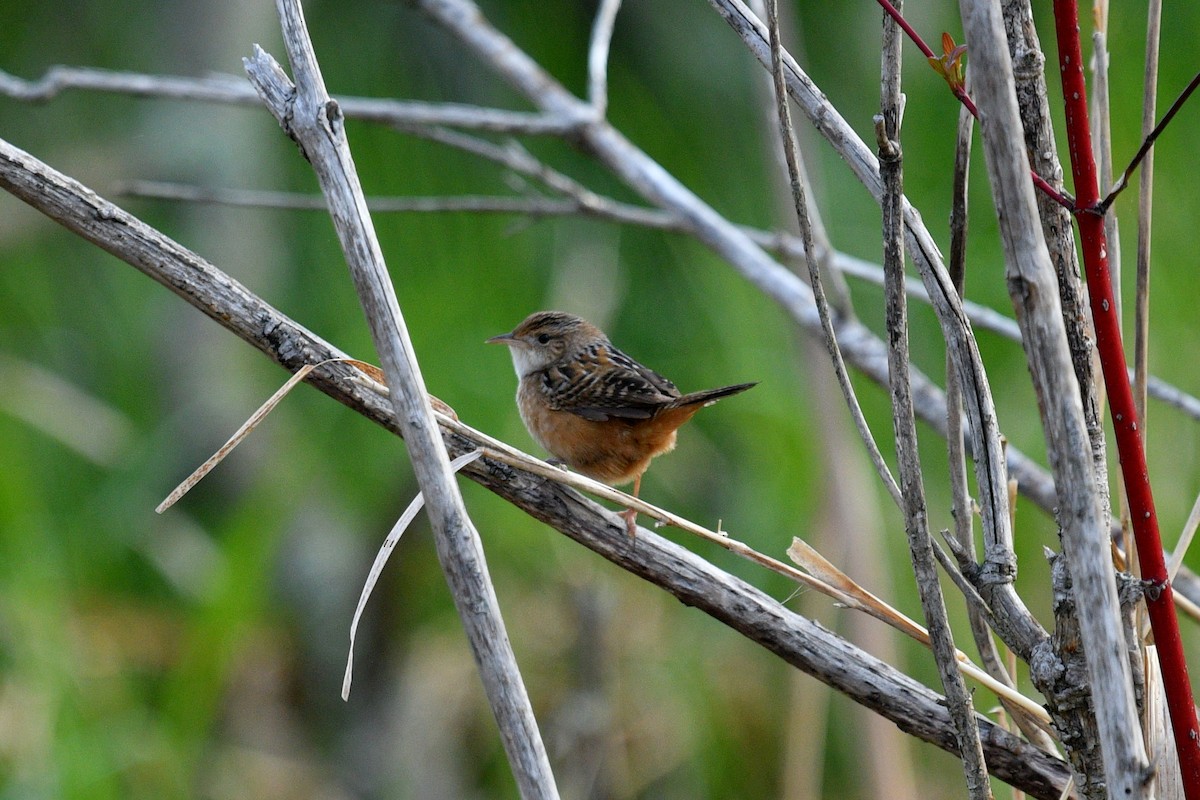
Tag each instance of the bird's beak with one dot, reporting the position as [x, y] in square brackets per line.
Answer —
[504, 338]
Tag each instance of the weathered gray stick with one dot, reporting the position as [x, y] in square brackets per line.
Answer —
[800, 202]
[314, 121]
[235, 90]
[908, 457]
[1081, 517]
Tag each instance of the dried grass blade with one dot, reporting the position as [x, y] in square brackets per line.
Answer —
[381, 558]
[241, 433]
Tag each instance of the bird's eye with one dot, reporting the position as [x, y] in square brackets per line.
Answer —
[544, 338]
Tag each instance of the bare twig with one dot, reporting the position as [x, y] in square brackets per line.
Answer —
[1141, 325]
[602, 31]
[235, 90]
[908, 458]
[1148, 143]
[787, 135]
[313, 120]
[960, 499]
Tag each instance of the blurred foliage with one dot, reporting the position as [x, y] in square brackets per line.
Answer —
[200, 653]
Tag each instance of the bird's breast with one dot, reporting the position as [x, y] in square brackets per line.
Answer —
[614, 451]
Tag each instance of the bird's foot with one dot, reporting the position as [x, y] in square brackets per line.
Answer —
[557, 462]
[630, 517]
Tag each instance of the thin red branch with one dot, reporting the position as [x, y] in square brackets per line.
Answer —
[1062, 198]
[1134, 470]
[895, 14]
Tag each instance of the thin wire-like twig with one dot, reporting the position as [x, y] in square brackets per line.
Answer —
[814, 267]
[235, 90]
[1141, 301]
[1148, 143]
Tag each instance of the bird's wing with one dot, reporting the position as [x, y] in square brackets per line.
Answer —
[602, 383]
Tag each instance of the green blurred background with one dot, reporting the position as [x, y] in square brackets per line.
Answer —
[199, 653]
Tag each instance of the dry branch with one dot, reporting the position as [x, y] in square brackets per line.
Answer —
[908, 457]
[310, 117]
[1082, 518]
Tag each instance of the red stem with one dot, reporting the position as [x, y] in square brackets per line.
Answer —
[1159, 602]
[912, 34]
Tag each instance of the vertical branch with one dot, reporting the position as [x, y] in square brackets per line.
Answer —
[850, 530]
[1032, 286]
[963, 538]
[1134, 469]
[602, 31]
[1101, 114]
[1074, 716]
[960, 498]
[1141, 333]
[315, 122]
[810, 256]
[916, 522]
[1029, 72]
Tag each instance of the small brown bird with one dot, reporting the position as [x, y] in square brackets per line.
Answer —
[593, 407]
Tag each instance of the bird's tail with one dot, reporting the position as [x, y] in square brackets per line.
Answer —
[710, 396]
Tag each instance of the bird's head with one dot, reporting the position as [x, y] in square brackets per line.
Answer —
[546, 337]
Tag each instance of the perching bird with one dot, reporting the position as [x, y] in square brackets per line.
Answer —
[593, 407]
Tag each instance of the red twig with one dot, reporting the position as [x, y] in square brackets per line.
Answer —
[1134, 470]
[910, 33]
[1063, 199]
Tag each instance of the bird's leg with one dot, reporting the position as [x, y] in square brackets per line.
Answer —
[630, 514]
